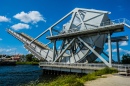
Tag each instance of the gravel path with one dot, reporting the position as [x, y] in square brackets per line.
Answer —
[111, 80]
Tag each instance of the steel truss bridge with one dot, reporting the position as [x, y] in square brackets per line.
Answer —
[80, 38]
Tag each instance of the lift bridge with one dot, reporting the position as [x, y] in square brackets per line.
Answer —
[78, 42]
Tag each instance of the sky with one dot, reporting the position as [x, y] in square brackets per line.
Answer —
[34, 16]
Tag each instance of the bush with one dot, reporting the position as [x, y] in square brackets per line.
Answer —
[65, 80]
[88, 77]
[106, 70]
[29, 57]
[27, 63]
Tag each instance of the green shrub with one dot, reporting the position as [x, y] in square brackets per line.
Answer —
[27, 63]
[65, 80]
[88, 77]
[106, 70]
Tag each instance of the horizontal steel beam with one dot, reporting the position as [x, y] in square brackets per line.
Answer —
[118, 39]
[106, 29]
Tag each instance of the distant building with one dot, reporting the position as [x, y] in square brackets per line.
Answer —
[16, 57]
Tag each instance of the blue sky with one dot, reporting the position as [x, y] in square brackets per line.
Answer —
[34, 16]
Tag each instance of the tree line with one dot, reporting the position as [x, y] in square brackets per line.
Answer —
[126, 59]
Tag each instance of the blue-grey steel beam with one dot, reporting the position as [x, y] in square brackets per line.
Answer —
[110, 49]
[118, 54]
[109, 65]
[65, 49]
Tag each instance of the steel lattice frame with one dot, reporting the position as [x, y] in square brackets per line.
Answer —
[82, 37]
[74, 45]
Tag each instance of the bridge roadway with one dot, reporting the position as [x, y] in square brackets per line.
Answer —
[82, 67]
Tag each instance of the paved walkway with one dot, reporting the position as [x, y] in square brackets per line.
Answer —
[111, 80]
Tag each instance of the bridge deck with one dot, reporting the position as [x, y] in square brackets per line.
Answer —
[81, 66]
[101, 30]
[36, 42]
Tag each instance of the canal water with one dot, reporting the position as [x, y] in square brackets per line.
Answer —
[19, 74]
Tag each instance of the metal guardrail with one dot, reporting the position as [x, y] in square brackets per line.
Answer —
[73, 65]
[125, 68]
[122, 68]
[116, 22]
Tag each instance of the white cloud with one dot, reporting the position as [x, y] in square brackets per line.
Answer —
[107, 50]
[112, 43]
[7, 50]
[20, 26]
[30, 17]
[1, 39]
[125, 51]
[4, 19]
[120, 50]
[114, 50]
[123, 43]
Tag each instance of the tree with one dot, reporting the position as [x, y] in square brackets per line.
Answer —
[0, 56]
[29, 57]
[8, 56]
[35, 59]
[126, 59]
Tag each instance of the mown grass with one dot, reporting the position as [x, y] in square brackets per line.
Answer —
[75, 80]
[27, 63]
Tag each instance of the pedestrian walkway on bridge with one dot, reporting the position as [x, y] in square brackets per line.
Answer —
[83, 67]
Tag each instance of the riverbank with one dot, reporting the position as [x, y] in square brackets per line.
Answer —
[27, 63]
[74, 80]
[8, 63]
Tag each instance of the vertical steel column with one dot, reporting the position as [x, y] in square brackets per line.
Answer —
[118, 55]
[54, 48]
[110, 49]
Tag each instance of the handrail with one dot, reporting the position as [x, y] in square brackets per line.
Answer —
[116, 21]
[119, 67]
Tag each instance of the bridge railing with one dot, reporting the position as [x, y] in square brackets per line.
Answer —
[122, 68]
[73, 65]
[97, 66]
[116, 22]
